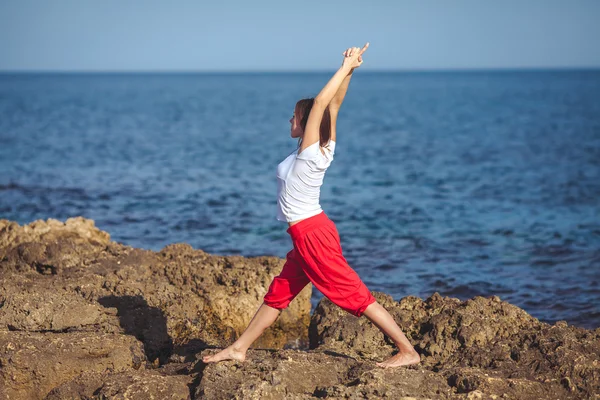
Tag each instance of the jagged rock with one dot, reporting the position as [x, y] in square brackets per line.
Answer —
[468, 338]
[49, 246]
[332, 328]
[232, 288]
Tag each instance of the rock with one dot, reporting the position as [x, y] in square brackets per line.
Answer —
[220, 280]
[82, 386]
[70, 276]
[48, 247]
[401, 383]
[131, 384]
[486, 383]
[300, 374]
[83, 317]
[333, 329]
[41, 306]
[34, 363]
[462, 340]
[272, 375]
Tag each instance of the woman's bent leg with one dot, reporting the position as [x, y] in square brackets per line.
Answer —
[263, 318]
[381, 318]
[282, 290]
[326, 267]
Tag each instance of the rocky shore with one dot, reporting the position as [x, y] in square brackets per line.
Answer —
[83, 317]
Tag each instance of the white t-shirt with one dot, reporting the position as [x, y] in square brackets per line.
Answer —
[299, 180]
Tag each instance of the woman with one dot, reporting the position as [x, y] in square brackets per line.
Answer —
[317, 254]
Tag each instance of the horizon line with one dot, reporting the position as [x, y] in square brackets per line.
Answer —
[285, 71]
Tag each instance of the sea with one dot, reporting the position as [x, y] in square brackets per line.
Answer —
[465, 183]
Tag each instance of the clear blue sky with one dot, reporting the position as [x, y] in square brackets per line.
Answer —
[273, 35]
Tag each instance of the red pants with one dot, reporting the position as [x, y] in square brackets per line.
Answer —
[317, 258]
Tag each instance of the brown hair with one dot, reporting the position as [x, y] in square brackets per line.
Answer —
[303, 108]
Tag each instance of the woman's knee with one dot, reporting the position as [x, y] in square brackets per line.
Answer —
[356, 309]
[274, 305]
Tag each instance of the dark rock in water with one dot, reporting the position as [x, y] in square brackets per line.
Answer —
[83, 317]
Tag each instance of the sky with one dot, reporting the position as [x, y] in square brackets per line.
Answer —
[307, 35]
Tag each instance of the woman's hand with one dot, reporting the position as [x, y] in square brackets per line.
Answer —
[353, 56]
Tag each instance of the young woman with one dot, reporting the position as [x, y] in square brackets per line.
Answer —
[317, 253]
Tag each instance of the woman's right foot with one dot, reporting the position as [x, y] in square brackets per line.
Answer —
[229, 353]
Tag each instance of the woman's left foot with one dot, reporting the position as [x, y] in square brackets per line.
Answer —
[400, 359]
[229, 353]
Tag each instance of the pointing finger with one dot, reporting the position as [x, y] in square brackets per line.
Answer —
[365, 48]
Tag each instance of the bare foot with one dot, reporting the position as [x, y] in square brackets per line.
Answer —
[400, 359]
[229, 353]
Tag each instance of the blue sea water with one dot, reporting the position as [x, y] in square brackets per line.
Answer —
[464, 183]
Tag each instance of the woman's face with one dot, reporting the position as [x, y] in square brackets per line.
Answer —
[295, 129]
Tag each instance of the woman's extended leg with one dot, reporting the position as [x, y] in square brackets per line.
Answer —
[264, 317]
[407, 355]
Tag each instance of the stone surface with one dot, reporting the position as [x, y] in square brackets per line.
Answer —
[131, 384]
[83, 317]
[33, 363]
[272, 375]
[66, 278]
[482, 344]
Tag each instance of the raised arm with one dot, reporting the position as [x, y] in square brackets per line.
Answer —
[325, 97]
[336, 103]
[338, 99]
